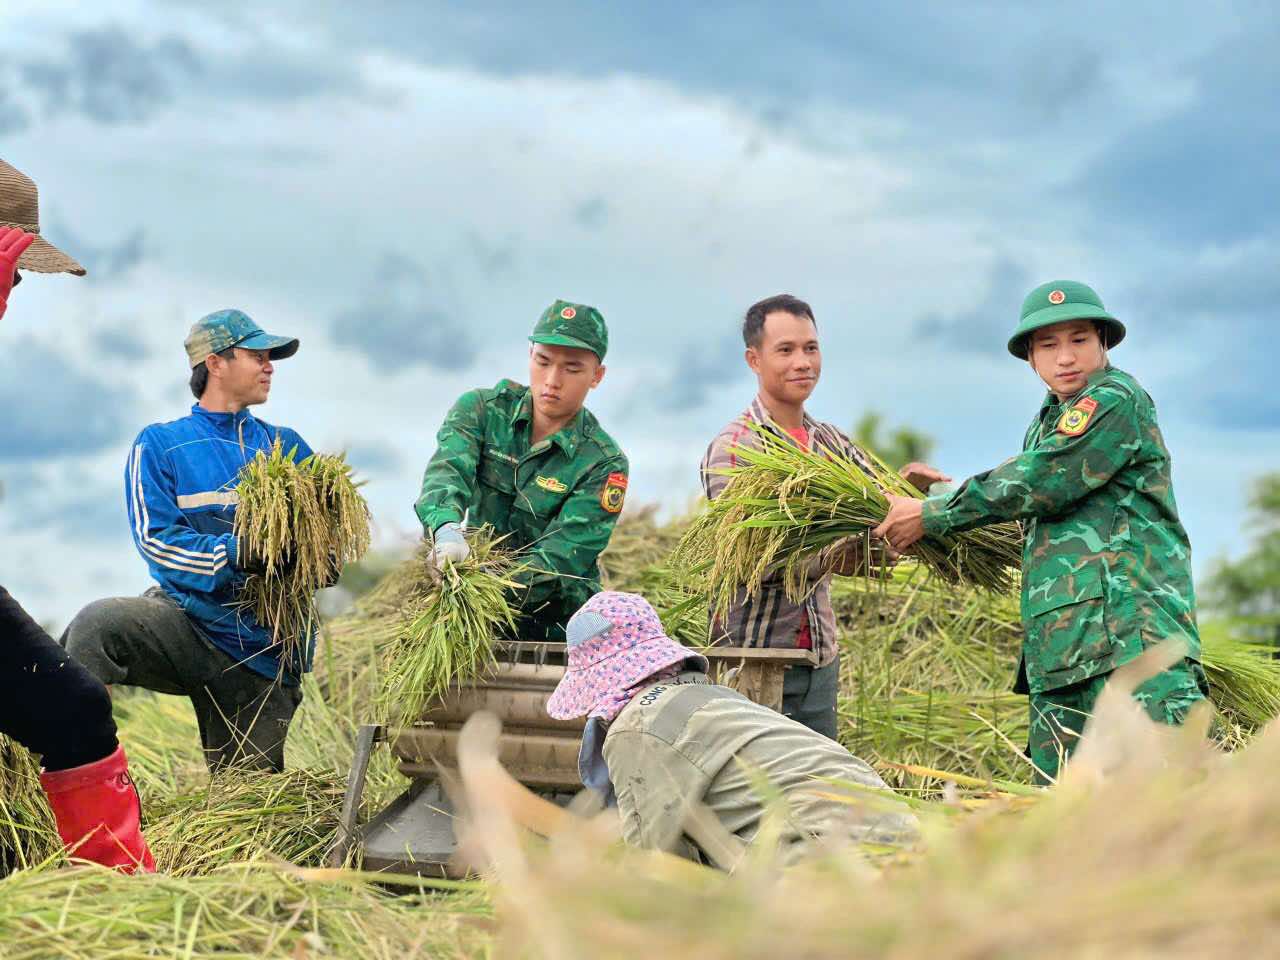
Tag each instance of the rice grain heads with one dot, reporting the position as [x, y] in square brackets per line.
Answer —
[784, 505]
[297, 525]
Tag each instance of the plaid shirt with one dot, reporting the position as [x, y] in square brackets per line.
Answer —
[770, 619]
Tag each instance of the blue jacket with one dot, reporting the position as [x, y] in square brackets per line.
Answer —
[180, 490]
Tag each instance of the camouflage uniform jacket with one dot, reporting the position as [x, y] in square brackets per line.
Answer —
[1106, 569]
[560, 497]
[687, 740]
[770, 619]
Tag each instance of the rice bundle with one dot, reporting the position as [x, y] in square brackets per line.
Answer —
[28, 835]
[243, 814]
[301, 522]
[784, 505]
[445, 626]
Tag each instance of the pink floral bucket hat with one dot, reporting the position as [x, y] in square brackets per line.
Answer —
[615, 641]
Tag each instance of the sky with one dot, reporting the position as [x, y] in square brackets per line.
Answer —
[406, 185]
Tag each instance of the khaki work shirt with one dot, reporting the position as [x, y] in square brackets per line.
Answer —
[689, 740]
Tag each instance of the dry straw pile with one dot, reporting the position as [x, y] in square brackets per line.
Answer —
[1154, 845]
[784, 506]
[242, 912]
[300, 523]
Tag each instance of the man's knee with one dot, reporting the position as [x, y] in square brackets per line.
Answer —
[90, 638]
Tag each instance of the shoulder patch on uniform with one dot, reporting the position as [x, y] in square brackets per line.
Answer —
[614, 492]
[1076, 420]
[551, 484]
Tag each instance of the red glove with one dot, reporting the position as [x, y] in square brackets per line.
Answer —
[12, 243]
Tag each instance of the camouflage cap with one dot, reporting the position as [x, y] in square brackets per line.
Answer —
[1057, 302]
[565, 324]
[233, 328]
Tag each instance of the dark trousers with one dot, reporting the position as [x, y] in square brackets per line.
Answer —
[149, 642]
[49, 703]
[809, 697]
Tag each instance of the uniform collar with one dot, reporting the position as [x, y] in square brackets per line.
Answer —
[566, 438]
[1051, 400]
[220, 419]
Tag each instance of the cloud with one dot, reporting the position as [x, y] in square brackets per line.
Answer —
[13, 118]
[105, 263]
[110, 77]
[113, 78]
[701, 368]
[374, 456]
[408, 320]
[592, 213]
[76, 504]
[1219, 307]
[54, 410]
[1208, 172]
[988, 321]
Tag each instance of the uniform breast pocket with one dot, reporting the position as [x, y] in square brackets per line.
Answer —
[498, 475]
[1066, 632]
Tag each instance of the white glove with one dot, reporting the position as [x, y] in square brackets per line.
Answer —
[450, 546]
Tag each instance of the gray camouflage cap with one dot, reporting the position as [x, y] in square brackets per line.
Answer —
[233, 328]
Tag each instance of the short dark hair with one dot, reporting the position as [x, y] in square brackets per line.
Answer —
[753, 322]
[200, 373]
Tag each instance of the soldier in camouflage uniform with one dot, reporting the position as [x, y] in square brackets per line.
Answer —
[1107, 564]
[537, 466]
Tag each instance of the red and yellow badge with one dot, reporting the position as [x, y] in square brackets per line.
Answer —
[614, 492]
[1076, 420]
[568, 313]
[551, 484]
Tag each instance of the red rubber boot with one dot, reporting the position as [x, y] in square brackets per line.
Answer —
[96, 807]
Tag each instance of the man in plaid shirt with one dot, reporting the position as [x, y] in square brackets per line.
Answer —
[781, 338]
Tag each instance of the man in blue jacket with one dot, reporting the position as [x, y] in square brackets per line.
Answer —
[187, 635]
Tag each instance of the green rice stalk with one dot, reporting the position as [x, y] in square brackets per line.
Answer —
[445, 625]
[926, 672]
[28, 835]
[1244, 678]
[785, 505]
[302, 521]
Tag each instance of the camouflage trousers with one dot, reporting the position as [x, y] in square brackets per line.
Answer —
[1058, 716]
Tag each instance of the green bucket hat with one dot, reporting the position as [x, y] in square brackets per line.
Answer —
[1057, 302]
[233, 328]
[565, 324]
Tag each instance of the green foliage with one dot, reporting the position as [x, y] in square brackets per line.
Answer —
[1247, 590]
[897, 448]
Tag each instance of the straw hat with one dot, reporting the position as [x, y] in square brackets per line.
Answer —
[20, 207]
